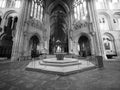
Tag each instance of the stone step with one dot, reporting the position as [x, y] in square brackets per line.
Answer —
[61, 69]
[50, 56]
[116, 57]
[59, 61]
[59, 64]
[1, 59]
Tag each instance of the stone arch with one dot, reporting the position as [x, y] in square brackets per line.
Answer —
[85, 34]
[8, 13]
[52, 5]
[35, 34]
[34, 45]
[104, 13]
[109, 45]
[116, 21]
[107, 17]
[84, 45]
[9, 27]
[110, 35]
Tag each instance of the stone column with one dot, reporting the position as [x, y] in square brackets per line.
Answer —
[46, 33]
[93, 19]
[117, 46]
[70, 31]
[19, 34]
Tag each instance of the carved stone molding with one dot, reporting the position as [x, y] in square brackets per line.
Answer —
[79, 25]
[35, 23]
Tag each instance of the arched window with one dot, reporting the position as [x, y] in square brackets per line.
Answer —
[17, 3]
[80, 9]
[116, 22]
[109, 45]
[103, 22]
[13, 3]
[37, 9]
[114, 4]
[100, 4]
[10, 24]
[2, 3]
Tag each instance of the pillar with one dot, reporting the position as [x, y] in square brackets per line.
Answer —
[97, 36]
[18, 39]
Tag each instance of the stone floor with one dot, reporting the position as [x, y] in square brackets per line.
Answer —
[13, 76]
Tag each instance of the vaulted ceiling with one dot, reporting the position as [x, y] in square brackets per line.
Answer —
[49, 2]
[58, 10]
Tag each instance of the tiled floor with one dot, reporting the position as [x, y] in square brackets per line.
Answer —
[13, 76]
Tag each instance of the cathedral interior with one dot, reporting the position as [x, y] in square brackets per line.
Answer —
[77, 27]
[59, 44]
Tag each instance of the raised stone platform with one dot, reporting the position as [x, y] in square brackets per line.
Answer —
[60, 63]
[62, 67]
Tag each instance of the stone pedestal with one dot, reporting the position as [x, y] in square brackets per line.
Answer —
[60, 56]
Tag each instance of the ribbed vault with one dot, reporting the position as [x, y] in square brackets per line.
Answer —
[59, 23]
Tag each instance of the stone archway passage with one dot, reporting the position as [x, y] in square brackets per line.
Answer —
[6, 38]
[84, 46]
[58, 26]
[34, 44]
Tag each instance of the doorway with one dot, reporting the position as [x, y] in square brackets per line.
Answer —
[34, 46]
[6, 38]
[84, 46]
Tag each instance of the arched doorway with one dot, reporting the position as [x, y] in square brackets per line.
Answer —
[34, 46]
[109, 46]
[6, 38]
[84, 46]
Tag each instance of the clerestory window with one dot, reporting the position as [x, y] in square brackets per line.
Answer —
[80, 9]
[100, 4]
[37, 9]
[2, 3]
[14, 3]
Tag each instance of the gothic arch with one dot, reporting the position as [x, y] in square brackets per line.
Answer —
[35, 34]
[85, 34]
[105, 14]
[52, 5]
[110, 35]
[116, 21]
[84, 44]
[109, 45]
[8, 13]
[107, 17]
[34, 45]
